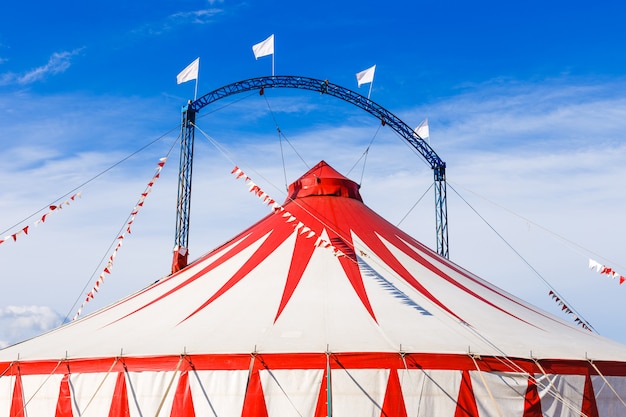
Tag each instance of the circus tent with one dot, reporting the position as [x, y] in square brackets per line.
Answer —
[322, 308]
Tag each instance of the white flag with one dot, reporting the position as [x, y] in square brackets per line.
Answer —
[264, 48]
[189, 73]
[422, 130]
[365, 76]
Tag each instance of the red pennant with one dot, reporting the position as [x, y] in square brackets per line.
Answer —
[64, 403]
[161, 164]
[621, 279]
[43, 218]
[14, 236]
[25, 230]
[53, 208]
[234, 169]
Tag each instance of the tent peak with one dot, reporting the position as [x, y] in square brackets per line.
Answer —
[323, 180]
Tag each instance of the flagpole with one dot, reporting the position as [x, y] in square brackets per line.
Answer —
[273, 63]
[370, 92]
[195, 93]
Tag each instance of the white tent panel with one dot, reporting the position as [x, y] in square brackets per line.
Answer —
[509, 389]
[150, 393]
[92, 393]
[430, 392]
[218, 393]
[291, 393]
[561, 395]
[610, 404]
[358, 392]
[7, 383]
[41, 394]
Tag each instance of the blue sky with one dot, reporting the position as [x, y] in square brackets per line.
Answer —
[525, 104]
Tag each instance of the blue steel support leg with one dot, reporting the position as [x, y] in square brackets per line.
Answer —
[183, 206]
[441, 208]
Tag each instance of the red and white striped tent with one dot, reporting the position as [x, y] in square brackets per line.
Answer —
[322, 308]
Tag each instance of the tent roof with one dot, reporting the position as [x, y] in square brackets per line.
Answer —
[323, 273]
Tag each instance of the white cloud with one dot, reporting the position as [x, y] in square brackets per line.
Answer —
[23, 322]
[58, 63]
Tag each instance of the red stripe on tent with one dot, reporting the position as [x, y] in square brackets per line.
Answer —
[589, 408]
[275, 239]
[532, 401]
[466, 403]
[64, 403]
[393, 404]
[17, 402]
[321, 409]
[183, 402]
[302, 253]
[349, 360]
[119, 405]
[254, 403]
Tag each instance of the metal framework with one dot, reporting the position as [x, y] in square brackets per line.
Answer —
[323, 87]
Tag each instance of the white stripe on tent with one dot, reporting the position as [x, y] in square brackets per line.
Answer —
[567, 401]
[605, 398]
[41, 394]
[358, 392]
[509, 389]
[146, 391]
[218, 393]
[291, 392]
[92, 393]
[430, 392]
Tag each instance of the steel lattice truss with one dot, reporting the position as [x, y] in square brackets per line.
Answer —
[324, 87]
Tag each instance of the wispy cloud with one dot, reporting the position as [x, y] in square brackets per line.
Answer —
[58, 63]
[23, 322]
[180, 19]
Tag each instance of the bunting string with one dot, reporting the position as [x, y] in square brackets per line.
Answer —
[605, 270]
[125, 230]
[298, 226]
[567, 310]
[52, 209]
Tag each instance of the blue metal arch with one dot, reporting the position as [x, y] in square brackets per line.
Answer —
[311, 84]
[325, 87]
